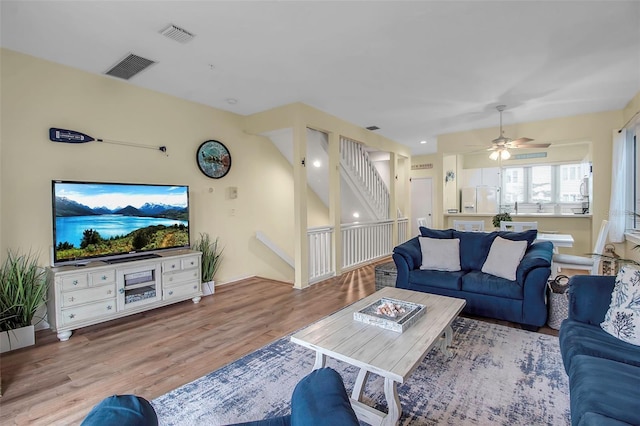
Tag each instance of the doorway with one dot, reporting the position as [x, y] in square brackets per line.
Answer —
[421, 202]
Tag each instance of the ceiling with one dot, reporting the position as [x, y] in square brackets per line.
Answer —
[415, 69]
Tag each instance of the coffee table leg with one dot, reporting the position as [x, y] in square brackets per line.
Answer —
[321, 360]
[358, 386]
[393, 402]
[445, 341]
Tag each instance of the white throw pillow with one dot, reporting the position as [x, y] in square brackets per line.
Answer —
[504, 258]
[440, 254]
[623, 317]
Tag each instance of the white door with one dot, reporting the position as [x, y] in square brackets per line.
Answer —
[421, 202]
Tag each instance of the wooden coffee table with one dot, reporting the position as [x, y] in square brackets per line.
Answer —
[373, 349]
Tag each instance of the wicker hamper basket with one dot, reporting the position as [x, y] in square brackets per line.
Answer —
[386, 274]
[558, 301]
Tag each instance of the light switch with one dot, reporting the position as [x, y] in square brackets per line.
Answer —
[233, 192]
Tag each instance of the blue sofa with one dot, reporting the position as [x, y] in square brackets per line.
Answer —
[522, 301]
[604, 372]
[319, 399]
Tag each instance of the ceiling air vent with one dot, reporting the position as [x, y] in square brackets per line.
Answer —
[130, 66]
[177, 34]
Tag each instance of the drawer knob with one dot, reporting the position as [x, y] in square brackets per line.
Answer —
[109, 308]
[72, 316]
[109, 291]
[75, 282]
[121, 290]
[195, 287]
[71, 299]
[104, 277]
[171, 292]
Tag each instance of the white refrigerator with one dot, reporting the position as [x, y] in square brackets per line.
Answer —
[479, 199]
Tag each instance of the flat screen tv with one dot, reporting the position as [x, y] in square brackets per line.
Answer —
[117, 221]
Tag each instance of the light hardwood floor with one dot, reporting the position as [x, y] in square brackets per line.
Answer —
[151, 353]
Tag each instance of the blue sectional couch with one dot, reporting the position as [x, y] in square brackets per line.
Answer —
[522, 300]
[604, 371]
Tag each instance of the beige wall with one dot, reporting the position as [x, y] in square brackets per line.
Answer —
[632, 108]
[402, 189]
[301, 117]
[37, 94]
[450, 190]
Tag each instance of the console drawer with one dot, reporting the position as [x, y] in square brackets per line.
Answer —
[180, 291]
[87, 312]
[99, 278]
[176, 278]
[73, 282]
[78, 297]
[171, 265]
[190, 262]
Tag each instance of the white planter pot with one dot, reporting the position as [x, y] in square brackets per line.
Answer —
[16, 339]
[208, 288]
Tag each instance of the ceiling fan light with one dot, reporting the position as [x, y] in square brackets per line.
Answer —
[494, 155]
[505, 155]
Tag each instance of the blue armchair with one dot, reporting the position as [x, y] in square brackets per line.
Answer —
[319, 399]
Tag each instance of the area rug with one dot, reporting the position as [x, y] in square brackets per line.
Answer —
[497, 376]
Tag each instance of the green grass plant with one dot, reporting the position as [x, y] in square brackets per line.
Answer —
[211, 256]
[23, 289]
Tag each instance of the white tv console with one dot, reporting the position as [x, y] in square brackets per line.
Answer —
[97, 292]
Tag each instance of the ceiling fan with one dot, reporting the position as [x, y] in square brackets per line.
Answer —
[501, 145]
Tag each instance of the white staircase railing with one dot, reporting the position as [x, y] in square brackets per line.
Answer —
[320, 259]
[363, 242]
[355, 160]
[403, 230]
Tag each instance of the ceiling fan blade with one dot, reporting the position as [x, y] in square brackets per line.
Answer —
[532, 145]
[521, 140]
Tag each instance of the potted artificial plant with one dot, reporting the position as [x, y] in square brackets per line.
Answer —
[23, 289]
[499, 218]
[211, 258]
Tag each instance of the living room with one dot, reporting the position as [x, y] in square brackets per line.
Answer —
[38, 94]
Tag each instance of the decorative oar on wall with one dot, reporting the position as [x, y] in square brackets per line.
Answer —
[71, 136]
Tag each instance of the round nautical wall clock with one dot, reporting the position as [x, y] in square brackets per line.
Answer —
[213, 159]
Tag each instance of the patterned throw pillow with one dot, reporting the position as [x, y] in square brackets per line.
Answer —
[623, 317]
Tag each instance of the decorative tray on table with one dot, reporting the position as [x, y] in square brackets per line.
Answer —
[390, 314]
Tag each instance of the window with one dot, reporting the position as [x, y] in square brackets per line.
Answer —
[541, 184]
[513, 185]
[555, 183]
[571, 184]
